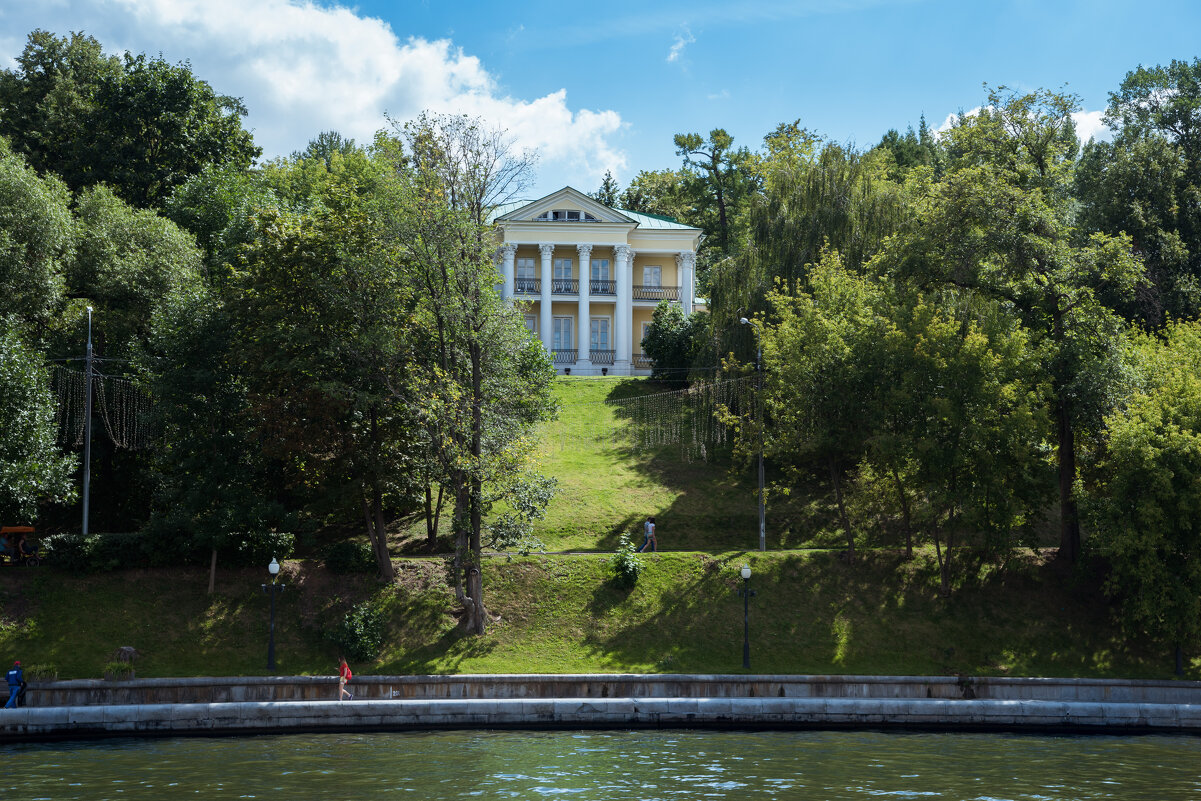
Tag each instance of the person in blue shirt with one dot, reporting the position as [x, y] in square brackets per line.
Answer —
[16, 685]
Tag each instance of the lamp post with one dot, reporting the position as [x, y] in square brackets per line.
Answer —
[271, 589]
[747, 593]
[759, 415]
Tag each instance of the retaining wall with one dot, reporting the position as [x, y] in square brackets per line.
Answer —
[510, 686]
[600, 701]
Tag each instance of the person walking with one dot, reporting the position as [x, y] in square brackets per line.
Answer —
[16, 685]
[648, 531]
[344, 675]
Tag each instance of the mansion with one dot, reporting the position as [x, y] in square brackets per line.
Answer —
[589, 277]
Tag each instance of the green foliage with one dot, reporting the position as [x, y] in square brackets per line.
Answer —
[1144, 499]
[359, 635]
[349, 556]
[142, 126]
[626, 563]
[260, 546]
[71, 552]
[673, 341]
[128, 262]
[32, 470]
[526, 499]
[36, 239]
[717, 180]
[607, 193]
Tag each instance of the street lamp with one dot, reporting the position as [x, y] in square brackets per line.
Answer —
[271, 589]
[747, 593]
[759, 414]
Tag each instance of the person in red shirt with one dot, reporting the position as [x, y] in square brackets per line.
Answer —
[344, 675]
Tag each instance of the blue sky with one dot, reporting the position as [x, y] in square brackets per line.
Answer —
[595, 86]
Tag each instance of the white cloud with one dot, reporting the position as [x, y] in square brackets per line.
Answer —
[1090, 125]
[682, 40]
[302, 68]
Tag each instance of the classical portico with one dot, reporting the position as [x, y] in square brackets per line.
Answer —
[588, 277]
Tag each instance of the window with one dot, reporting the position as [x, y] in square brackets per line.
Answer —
[652, 275]
[563, 268]
[600, 269]
[599, 338]
[561, 335]
[526, 278]
[531, 323]
[565, 215]
[646, 327]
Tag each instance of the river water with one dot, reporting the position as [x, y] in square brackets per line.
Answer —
[595, 765]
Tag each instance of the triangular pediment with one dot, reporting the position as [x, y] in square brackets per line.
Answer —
[567, 201]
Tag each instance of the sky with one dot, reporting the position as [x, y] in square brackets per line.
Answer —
[595, 86]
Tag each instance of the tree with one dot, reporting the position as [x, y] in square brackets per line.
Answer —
[835, 199]
[999, 226]
[607, 194]
[672, 341]
[481, 382]
[127, 262]
[141, 125]
[37, 236]
[32, 470]
[1144, 498]
[718, 180]
[655, 192]
[324, 146]
[325, 330]
[1146, 184]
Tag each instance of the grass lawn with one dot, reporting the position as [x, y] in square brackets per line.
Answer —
[814, 613]
[607, 487]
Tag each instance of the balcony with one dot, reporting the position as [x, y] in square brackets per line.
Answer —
[656, 293]
[527, 286]
[602, 356]
[563, 355]
[643, 362]
[564, 286]
[601, 286]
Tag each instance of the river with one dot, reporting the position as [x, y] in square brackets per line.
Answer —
[601, 765]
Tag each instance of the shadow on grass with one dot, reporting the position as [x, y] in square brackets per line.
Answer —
[817, 613]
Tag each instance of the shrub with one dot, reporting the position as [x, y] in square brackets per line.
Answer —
[95, 552]
[349, 556]
[626, 562]
[260, 546]
[360, 634]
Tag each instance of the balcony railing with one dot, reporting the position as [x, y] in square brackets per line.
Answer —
[563, 355]
[527, 286]
[564, 286]
[601, 356]
[643, 362]
[601, 286]
[642, 292]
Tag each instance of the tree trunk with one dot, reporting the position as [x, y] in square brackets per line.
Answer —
[477, 614]
[377, 534]
[433, 514]
[906, 518]
[213, 572]
[842, 511]
[1069, 523]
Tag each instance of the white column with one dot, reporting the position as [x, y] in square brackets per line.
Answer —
[685, 264]
[583, 357]
[622, 315]
[544, 319]
[508, 251]
[633, 342]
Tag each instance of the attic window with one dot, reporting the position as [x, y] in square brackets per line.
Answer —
[566, 215]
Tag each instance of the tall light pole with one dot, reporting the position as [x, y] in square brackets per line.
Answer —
[747, 593]
[87, 426]
[759, 415]
[271, 589]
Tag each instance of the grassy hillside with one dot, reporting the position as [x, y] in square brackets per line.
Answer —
[814, 613]
[607, 487]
